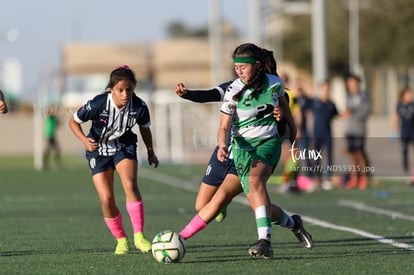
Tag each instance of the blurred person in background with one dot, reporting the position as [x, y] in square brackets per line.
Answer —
[50, 128]
[403, 126]
[357, 110]
[305, 104]
[3, 104]
[289, 179]
[324, 111]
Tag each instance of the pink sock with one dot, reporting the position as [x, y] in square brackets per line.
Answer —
[115, 226]
[135, 210]
[194, 226]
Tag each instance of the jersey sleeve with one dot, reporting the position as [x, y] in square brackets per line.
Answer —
[276, 85]
[143, 117]
[89, 110]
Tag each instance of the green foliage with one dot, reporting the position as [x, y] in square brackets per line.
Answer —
[385, 36]
[387, 32]
[177, 29]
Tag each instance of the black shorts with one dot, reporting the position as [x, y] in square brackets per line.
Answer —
[98, 163]
[216, 170]
[355, 143]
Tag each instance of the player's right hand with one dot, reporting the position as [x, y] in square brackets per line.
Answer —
[3, 107]
[91, 145]
[222, 153]
[180, 89]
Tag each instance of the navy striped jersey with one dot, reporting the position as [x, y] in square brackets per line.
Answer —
[112, 127]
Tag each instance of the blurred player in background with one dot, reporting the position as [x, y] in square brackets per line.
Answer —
[289, 179]
[324, 111]
[111, 145]
[357, 111]
[50, 128]
[403, 126]
[3, 104]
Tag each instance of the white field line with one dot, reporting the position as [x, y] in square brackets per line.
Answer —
[376, 210]
[183, 184]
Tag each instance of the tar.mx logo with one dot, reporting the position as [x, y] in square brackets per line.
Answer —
[298, 154]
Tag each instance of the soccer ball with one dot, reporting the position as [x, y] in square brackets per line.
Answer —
[168, 247]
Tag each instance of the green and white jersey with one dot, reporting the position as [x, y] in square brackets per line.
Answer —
[253, 113]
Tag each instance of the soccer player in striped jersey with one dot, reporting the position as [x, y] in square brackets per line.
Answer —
[266, 213]
[112, 145]
[216, 172]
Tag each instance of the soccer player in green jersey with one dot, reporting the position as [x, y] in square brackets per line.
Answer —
[256, 147]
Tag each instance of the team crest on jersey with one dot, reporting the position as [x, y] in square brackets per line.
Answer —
[231, 106]
[275, 91]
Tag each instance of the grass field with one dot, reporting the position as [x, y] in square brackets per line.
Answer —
[51, 223]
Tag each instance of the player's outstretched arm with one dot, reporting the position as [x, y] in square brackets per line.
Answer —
[201, 96]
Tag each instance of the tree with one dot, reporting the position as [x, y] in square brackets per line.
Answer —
[177, 29]
[386, 35]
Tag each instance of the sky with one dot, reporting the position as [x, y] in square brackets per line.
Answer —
[45, 25]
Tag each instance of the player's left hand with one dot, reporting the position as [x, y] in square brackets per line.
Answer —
[152, 159]
[277, 113]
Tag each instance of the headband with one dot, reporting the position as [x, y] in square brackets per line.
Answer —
[122, 67]
[249, 60]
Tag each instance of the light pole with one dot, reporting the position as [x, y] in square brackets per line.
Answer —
[354, 36]
[319, 56]
[215, 40]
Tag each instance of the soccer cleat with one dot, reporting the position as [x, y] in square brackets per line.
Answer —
[304, 237]
[141, 243]
[122, 247]
[222, 214]
[261, 248]
[363, 183]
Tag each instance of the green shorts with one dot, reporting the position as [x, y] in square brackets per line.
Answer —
[244, 153]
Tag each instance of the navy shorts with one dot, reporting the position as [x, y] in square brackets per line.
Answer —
[98, 163]
[355, 143]
[216, 170]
